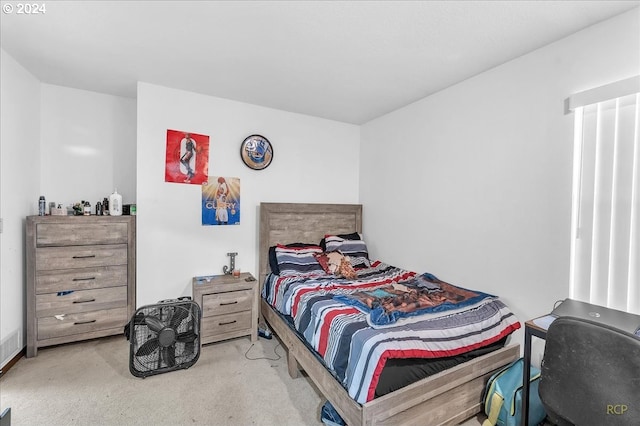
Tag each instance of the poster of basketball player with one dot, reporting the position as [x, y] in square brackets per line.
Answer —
[187, 157]
[221, 201]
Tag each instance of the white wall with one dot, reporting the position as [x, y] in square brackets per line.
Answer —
[476, 186]
[19, 191]
[65, 144]
[88, 146]
[315, 160]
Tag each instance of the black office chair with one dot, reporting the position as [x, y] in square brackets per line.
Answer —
[590, 374]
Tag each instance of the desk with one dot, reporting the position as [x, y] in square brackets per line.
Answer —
[530, 329]
[538, 327]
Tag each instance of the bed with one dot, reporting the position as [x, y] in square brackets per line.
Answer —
[448, 397]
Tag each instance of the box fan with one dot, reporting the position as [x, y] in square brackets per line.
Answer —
[164, 337]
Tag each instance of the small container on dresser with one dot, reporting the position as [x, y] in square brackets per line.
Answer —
[80, 278]
[229, 306]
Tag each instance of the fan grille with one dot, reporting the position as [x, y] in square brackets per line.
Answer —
[164, 337]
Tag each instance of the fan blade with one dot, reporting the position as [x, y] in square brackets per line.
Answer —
[153, 323]
[187, 337]
[169, 356]
[179, 315]
[139, 319]
[148, 347]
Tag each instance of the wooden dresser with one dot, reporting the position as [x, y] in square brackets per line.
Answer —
[81, 277]
[229, 306]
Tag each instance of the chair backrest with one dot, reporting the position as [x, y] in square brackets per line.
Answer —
[590, 374]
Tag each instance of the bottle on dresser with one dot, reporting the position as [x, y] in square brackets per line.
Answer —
[115, 204]
[42, 206]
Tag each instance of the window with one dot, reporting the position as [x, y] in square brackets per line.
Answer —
[605, 247]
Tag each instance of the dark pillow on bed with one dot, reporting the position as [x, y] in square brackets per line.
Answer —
[273, 260]
[300, 259]
[355, 249]
[352, 236]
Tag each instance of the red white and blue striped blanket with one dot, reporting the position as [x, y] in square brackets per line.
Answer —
[329, 312]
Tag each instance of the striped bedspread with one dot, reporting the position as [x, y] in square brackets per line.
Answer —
[353, 350]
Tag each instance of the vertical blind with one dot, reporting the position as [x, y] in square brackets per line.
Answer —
[605, 249]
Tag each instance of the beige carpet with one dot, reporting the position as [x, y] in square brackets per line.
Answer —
[89, 383]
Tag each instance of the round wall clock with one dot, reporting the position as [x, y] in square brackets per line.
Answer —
[256, 152]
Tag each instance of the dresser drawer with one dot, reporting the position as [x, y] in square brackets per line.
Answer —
[81, 279]
[73, 234]
[70, 324]
[50, 258]
[224, 303]
[221, 324]
[80, 301]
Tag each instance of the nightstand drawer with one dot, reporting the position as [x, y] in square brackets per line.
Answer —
[50, 258]
[69, 324]
[224, 303]
[81, 279]
[79, 233]
[221, 324]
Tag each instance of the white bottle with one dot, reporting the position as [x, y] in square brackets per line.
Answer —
[115, 204]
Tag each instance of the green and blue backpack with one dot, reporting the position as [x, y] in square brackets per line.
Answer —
[503, 397]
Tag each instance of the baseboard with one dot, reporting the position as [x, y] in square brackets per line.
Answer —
[13, 361]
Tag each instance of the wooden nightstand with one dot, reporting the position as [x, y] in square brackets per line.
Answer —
[229, 306]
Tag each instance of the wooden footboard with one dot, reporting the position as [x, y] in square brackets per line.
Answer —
[446, 398]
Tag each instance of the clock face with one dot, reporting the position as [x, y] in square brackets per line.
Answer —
[256, 152]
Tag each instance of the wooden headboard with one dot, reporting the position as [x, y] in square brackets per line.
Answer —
[286, 223]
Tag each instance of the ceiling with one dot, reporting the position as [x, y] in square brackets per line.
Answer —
[350, 61]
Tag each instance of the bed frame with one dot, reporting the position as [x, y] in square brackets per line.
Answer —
[447, 398]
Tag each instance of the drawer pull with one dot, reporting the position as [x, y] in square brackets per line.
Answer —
[84, 301]
[227, 323]
[84, 279]
[84, 322]
[229, 303]
[84, 257]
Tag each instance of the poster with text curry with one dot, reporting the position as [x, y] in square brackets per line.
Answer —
[187, 157]
[221, 201]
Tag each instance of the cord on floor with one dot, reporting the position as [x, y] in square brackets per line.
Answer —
[275, 351]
